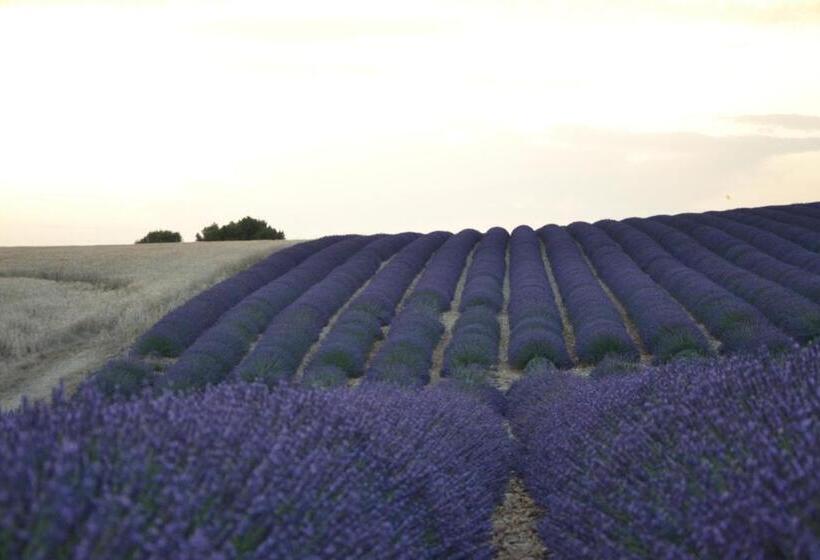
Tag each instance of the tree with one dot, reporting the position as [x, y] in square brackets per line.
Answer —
[161, 236]
[243, 230]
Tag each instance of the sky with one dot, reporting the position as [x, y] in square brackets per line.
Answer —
[367, 116]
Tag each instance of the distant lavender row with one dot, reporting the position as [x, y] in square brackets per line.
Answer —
[179, 328]
[796, 315]
[744, 255]
[238, 471]
[343, 352]
[598, 327]
[807, 227]
[281, 348]
[536, 329]
[406, 356]
[476, 333]
[799, 235]
[485, 279]
[437, 285]
[810, 210]
[664, 326]
[769, 243]
[220, 348]
[697, 459]
[738, 325]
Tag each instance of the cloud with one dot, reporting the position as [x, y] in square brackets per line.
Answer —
[742, 149]
[787, 121]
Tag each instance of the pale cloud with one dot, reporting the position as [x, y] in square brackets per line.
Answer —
[787, 121]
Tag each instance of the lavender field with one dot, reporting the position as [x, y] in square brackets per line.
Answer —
[650, 387]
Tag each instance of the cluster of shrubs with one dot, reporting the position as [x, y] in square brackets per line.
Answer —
[161, 236]
[244, 230]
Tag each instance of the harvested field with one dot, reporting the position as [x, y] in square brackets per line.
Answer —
[65, 310]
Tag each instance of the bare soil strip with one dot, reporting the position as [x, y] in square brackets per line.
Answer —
[569, 333]
[631, 329]
[514, 533]
[300, 371]
[448, 319]
[506, 374]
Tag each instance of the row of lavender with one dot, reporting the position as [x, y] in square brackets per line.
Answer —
[746, 287]
[345, 350]
[690, 460]
[406, 356]
[239, 471]
[712, 458]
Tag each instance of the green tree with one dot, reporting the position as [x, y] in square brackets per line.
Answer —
[161, 236]
[243, 230]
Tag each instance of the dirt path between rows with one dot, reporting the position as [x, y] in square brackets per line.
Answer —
[514, 525]
[448, 319]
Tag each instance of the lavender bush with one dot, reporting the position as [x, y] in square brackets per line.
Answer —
[437, 285]
[796, 315]
[406, 356]
[809, 210]
[801, 236]
[535, 322]
[805, 226]
[697, 459]
[598, 327]
[475, 340]
[664, 326]
[179, 328]
[238, 471]
[485, 279]
[346, 347]
[286, 340]
[738, 325]
[473, 348]
[748, 257]
[220, 348]
[766, 241]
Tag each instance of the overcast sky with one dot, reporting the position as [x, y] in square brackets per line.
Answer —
[363, 116]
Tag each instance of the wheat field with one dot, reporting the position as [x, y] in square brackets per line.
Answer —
[64, 311]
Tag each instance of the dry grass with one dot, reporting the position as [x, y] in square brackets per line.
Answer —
[65, 310]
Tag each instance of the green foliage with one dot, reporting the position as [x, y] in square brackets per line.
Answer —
[161, 236]
[245, 229]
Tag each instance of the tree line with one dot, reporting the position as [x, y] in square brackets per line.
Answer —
[243, 230]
